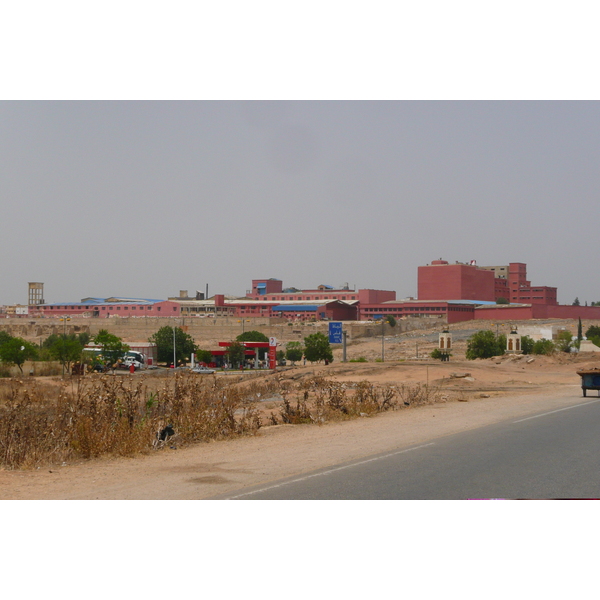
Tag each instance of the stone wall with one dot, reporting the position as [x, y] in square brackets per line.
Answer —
[139, 329]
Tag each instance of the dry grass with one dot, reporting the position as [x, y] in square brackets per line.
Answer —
[42, 423]
[52, 421]
[319, 400]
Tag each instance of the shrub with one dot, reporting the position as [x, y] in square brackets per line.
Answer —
[593, 331]
[526, 344]
[360, 359]
[545, 347]
[484, 344]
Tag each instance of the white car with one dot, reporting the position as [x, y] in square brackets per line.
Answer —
[202, 370]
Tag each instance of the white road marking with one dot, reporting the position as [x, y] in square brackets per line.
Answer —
[362, 462]
[555, 411]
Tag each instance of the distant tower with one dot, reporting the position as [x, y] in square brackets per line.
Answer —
[36, 293]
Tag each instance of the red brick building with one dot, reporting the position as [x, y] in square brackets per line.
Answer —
[443, 281]
[110, 307]
[452, 311]
[460, 281]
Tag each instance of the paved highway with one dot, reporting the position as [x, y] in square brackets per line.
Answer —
[554, 454]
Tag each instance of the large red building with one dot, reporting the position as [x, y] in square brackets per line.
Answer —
[443, 281]
[460, 281]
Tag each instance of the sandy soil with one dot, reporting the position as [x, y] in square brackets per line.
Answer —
[484, 392]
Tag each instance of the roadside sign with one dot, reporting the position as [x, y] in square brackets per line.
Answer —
[272, 341]
[335, 333]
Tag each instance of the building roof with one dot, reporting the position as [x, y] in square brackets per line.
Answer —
[132, 300]
[297, 307]
[112, 300]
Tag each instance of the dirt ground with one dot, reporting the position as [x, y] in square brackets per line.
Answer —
[474, 394]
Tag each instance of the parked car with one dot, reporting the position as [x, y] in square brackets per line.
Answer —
[202, 370]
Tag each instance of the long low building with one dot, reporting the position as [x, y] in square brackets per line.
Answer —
[109, 307]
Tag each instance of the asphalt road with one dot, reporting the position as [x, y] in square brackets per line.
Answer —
[550, 455]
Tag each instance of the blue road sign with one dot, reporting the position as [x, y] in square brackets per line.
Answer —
[335, 333]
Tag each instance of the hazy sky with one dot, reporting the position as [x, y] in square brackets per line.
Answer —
[144, 198]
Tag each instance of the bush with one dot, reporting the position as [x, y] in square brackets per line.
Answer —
[360, 359]
[593, 331]
[526, 344]
[438, 354]
[595, 339]
[545, 347]
[484, 344]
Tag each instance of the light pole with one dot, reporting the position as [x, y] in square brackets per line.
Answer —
[174, 354]
[64, 320]
[382, 340]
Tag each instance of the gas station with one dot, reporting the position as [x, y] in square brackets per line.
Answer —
[251, 351]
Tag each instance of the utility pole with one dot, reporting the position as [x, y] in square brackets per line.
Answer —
[174, 355]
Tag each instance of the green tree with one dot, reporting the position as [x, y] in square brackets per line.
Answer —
[592, 331]
[236, 353]
[502, 301]
[391, 320]
[254, 336]
[203, 356]
[280, 357]
[84, 338]
[294, 352]
[66, 350]
[564, 341]
[526, 344]
[184, 345]
[16, 351]
[576, 302]
[112, 347]
[50, 340]
[484, 344]
[5, 337]
[317, 348]
[579, 331]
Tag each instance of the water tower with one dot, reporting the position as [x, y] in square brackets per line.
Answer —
[36, 293]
